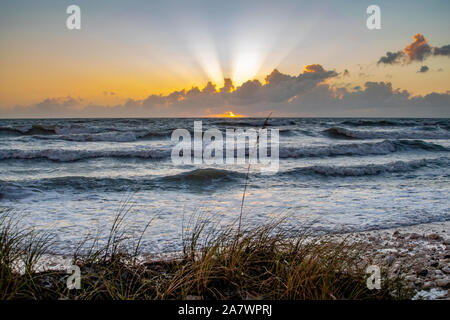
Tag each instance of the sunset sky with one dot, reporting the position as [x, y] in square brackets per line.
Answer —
[141, 58]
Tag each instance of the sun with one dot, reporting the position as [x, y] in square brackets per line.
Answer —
[228, 114]
[246, 66]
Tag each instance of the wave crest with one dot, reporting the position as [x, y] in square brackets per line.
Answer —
[343, 133]
[369, 169]
[361, 149]
[75, 155]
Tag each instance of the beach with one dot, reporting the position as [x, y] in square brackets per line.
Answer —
[381, 183]
[420, 254]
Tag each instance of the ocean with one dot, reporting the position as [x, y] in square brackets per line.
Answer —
[71, 176]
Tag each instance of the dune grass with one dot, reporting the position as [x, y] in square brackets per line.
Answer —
[264, 262]
[20, 249]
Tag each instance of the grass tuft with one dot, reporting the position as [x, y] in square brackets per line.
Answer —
[264, 262]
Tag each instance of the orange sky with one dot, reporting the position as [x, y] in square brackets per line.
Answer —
[136, 51]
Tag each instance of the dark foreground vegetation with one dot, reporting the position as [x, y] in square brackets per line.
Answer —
[257, 263]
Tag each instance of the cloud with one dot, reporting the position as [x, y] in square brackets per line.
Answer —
[210, 88]
[418, 50]
[423, 69]
[391, 57]
[310, 93]
[375, 99]
[442, 51]
[228, 86]
[52, 107]
[276, 77]
[313, 68]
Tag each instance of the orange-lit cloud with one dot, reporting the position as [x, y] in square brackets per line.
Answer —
[418, 50]
[228, 86]
[210, 88]
[313, 68]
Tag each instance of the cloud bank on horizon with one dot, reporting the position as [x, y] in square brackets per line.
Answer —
[309, 94]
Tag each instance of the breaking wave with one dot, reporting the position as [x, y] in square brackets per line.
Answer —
[343, 133]
[28, 130]
[208, 178]
[395, 123]
[202, 179]
[68, 155]
[350, 149]
[207, 174]
[369, 169]
[361, 149]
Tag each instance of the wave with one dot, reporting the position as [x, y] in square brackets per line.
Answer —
[197, 179]
[106, 136]
[120, 132]
[239, 123]
[380, 123]
[350, 149]
[343, 133]
[72, 132]
[369, 169]
[68, 155]
[26, 188]
[131, 136]
[361, 149]
[13, 191]
[255, 122]
[396, 122]
[39, 129]
[28, 130]
[208, 174]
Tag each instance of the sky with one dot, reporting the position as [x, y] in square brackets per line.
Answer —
[171, 58]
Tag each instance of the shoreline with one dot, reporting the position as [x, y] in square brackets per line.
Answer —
[421, 253]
